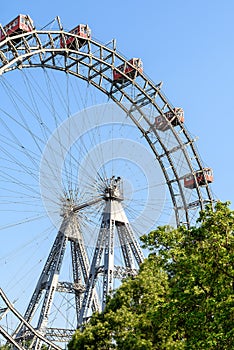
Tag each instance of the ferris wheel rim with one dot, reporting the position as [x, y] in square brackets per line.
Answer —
[147, 90]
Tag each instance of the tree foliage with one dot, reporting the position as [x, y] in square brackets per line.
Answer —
[182, 297]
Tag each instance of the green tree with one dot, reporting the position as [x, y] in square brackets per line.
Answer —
[6, 347]
[182, 297]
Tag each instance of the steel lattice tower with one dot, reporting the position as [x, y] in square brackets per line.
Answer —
[114, 220]
[48, 283]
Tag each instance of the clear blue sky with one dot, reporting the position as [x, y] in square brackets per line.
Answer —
[189, 45]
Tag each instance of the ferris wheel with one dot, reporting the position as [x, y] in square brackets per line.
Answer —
[93, 155]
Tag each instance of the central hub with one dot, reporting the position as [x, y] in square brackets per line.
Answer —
[68, 205]
[113, 189]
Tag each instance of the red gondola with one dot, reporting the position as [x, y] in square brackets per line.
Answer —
[84, 33]
[161, 120]
[132, 70]
[202, 176]
[21, 24]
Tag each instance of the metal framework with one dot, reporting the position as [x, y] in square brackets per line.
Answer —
[48, 283]
[29, 331]
[103, 264]
[142, 100]
[113, 219]
[94, 63]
